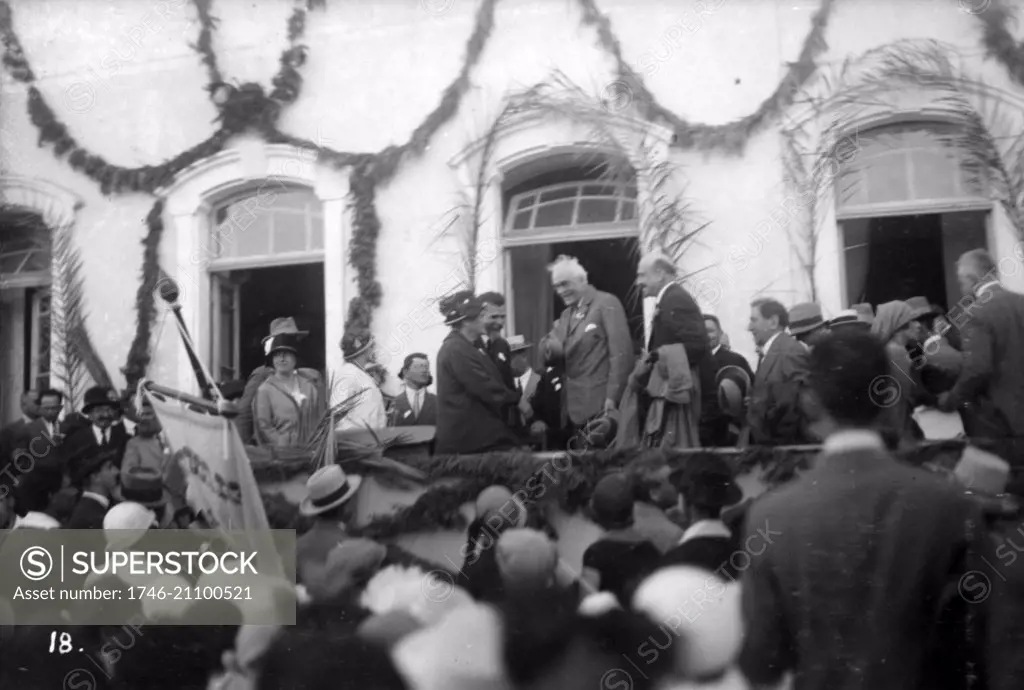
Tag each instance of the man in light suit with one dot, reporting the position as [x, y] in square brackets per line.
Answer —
[775, 414]
[856, 566]
[591, 338]
[990, 388]
[415, 405]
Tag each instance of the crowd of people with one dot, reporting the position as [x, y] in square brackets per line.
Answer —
[863, 572]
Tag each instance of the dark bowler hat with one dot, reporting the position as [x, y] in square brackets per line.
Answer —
[99, 396]
[706, 479]
[92, 462]
[143, 485]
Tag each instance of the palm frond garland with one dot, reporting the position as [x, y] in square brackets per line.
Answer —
[74, 359]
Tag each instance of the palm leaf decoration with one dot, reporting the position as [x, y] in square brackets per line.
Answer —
[74, 359]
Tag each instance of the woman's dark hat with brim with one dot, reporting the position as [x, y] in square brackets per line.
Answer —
[460, 306]
[706, 479]
[284, 342]
[733, 386]
[355, 343]
[100, 396]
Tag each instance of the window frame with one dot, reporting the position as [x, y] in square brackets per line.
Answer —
[573, 231]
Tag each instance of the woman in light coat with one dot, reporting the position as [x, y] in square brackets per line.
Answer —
[287, 408]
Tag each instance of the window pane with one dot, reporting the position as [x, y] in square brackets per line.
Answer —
[935, 174]
[887, 178]
[289, 233]
[628, 210]
[600, 190]
[317, 240]
[251, 238]
[564, 193]
[297, 201]
[631, 192]
[227, 333]
[597, 211]
[522, 221]
[555, 214]
[526, 202]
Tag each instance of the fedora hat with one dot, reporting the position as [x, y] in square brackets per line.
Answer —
[354, 343]
[517, 343]
[92, 462]
[142, 485]
[328, 488]
[733, 384]
[920, 307]
[284, 326]
[981, 472]
[804, 318]
[849, 317]
[459, 306]
[99, 396]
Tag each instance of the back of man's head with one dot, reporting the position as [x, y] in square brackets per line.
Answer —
[851, 378]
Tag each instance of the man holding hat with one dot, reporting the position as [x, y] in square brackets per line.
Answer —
[96, 475]
[362, 382]
[102, 406]
[806, 323]
[472, 399]
[415, 406]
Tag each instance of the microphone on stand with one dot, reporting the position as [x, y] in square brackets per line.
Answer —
[169, 292]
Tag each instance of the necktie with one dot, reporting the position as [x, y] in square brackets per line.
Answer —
[105, 437]
[416, 404]
[760, 358]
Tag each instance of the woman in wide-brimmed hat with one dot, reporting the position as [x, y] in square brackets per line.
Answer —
[287, 405]
[362, 384]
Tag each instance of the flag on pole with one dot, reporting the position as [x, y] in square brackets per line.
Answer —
[220, 479]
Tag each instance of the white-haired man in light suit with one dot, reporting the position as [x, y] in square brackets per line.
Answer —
[592, 338]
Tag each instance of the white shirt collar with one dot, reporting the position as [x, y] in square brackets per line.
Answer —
[853, 439]
[768, 345]
[706, 528]
[716, 349]
[98, 433]
[661, 292]
[411, 394]
[985, 286]
[99, 498]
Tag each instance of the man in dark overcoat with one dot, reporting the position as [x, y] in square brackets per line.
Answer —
[472, 398]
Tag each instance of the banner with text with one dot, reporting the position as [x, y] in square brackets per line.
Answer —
[220, 480]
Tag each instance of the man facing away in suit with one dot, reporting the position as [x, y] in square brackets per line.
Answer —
[854, 562]
[415, 405]
[591, 340]
[776, 412]
[990, 388]
[714, 424]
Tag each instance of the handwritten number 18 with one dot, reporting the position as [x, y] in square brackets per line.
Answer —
[65, 642]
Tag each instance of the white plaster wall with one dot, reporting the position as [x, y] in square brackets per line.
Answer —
[121, 74]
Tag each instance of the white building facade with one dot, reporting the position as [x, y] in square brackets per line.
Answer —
[849, 172]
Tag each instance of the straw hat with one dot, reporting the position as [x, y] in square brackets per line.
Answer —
[143, 485]
[733, 384]
[328, 488]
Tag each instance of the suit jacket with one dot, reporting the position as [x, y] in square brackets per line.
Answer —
[992, 378]
[88, 514]
[402, 412]
[597, 353]
[8, 436]
[37, 451]
[714, 425]
[776, 414]
[501, 354]
[850, 567]
[472, 400]
[82, 441]
[678, 319]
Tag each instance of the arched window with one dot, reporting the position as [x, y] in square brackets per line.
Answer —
[907, 208]
[275, 227]
[571, 206]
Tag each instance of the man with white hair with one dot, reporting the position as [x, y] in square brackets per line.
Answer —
[592, 338]
[990, 388]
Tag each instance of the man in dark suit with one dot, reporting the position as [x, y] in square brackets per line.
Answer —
[14, 430]
[775, 414]
[415, 405]
[38, 445]
[590, 343]
[990, 388]
[714, 423]
[472, 400]
[102, 406]
[492, 342]
[96, 475]
[853, 563]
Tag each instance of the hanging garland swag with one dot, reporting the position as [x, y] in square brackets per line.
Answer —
[247, 107]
